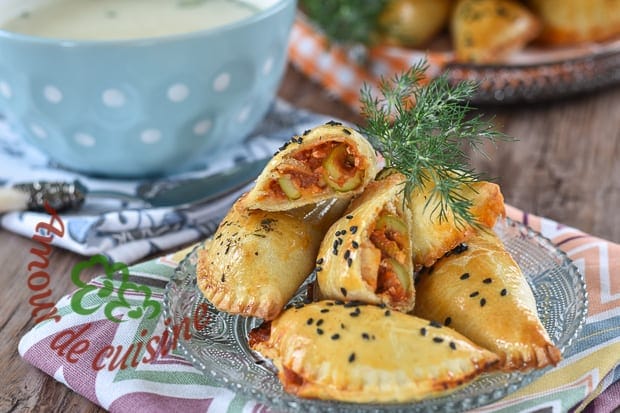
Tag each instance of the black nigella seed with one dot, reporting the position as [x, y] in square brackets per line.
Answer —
[475, 293]
[325, 310]
[339, 302]
[353, 229]
[435, 324]
[349, 261]
[318, 269]
[354, 303]
[354, 244]
[329, 304]
[447, 321]
[464, 276]
[365, 336]
[438, 339]
[423, 331]
[342, 326]
[310, 321]
[333, 123]
[387, 313]
[337, 234]
[335, 251]
[355, 313]
[352, 358]
[483, 301]
[343, 291]
[319, 331]
[503, 292]
[460, 248]
[349, 217]
[307, 131]
[318, 323]
[453, 345]
[347, 254]
[487, 281]
[382, 305]
[319, 261]
[335, 336]
[346, 131]
[339, 241]
[335, 246]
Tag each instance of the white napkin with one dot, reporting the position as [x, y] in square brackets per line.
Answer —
[127, 232]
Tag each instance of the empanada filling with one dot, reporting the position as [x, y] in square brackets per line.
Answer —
[332, 164]
[390, 236]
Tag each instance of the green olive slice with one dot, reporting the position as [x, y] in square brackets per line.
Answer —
[401, 272]
[339, 170]
[289, 188]
[391, 223]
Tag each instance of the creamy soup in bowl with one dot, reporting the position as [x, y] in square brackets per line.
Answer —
[122, 19]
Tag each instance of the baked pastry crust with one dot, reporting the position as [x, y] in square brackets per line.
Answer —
[482, 293]
[488, 31]
[257, 259]
[356, 259]
[432, 238]
[301, 163]
[365, 353]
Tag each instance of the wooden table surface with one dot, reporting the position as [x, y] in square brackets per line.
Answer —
[565, 165]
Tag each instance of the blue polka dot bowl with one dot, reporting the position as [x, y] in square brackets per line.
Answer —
[144, 107]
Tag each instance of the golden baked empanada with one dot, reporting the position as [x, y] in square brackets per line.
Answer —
[481, 293]
[329, 161]
[365, 353]
[366, 254]
[577, 21]
[257, 259]
[432, 238]
[488, 31]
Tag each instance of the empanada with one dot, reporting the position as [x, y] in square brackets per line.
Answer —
[488, 31]
[577, 21]
[481, 293]
[365, 353]
[329, 161]
[432, 237]
[258, 259]
[366, 254]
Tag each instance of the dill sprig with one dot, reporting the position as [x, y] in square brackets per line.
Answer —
[422, 128]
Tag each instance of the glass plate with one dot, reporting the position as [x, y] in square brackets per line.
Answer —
[220, 349]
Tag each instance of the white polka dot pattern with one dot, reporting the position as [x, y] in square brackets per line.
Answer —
[150, 136]
[84, 139]
[113, 98]
[38, 131]
[52, 94]
[221, 82]
[178, 92]
[5, 90]
[202, 127]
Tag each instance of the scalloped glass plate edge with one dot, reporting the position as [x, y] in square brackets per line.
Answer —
[220, 350]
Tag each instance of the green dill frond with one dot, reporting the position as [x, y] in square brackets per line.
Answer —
[422, 131]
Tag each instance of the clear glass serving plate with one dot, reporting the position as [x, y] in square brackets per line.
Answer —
[220, 348]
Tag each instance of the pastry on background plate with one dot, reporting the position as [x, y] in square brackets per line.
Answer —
[326, 162]
[364, 353]
[366, 254]
[481, 292]
[489, 31]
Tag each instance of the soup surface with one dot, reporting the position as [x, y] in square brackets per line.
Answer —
[124, 19]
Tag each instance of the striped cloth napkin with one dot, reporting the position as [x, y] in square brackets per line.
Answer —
[114, 366]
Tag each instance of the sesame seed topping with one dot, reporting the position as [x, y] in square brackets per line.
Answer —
[503, 292]
[487, 281]
[475, 293]
[339, 302]
[333, 123]
[355, 313]
[387, 313]
[310, 321]
[349, 261]
[353, 229]
[349, 217]
[325, 310]
[365, 336]
[329, 303]
[319, 331]
[318, 323]
[318, 269]
[319, 261]
[447, 321]
[342, 326]
[355, 245]
[335, 336]
[343, 291]
[346, 131]
[434, 323]
[438, 339]
[464, 276]
[423, 331]
[347, 254]
[352, 358]
[483, 301]
[453, 345]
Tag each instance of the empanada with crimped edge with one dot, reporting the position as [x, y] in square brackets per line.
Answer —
[257, 259]
[328, 161]
[366, 254]
[481, 292]
[364, 353]
[432, 237]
